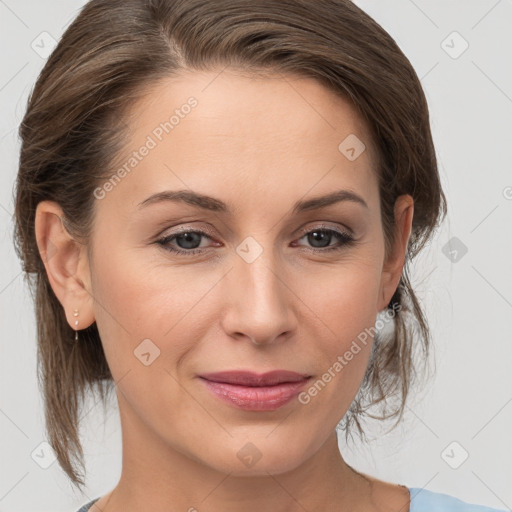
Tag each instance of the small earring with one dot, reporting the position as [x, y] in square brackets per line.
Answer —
[75, 313]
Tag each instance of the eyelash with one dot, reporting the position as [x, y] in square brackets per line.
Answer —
[345, 239]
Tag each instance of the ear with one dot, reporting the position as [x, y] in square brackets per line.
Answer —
[393, 266]
[66, 264]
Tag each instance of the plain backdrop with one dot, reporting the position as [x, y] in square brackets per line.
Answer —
[455, 437]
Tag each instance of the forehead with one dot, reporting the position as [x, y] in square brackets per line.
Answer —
[282, 102]
[230, 127]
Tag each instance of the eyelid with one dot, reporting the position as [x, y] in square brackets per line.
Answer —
[183, 228]
[323, 225]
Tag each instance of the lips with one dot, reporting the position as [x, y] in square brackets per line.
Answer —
[254, 379]
[255, 392]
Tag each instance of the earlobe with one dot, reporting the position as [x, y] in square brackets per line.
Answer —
[61, 256]
[393, 267]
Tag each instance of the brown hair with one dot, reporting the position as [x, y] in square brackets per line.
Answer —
[109, 56]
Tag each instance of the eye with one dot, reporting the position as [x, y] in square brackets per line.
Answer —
[188, 241]
[320, 238]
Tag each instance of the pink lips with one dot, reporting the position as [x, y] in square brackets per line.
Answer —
[255, 392]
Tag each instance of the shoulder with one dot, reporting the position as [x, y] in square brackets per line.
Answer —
[87, 506]
[423, 500]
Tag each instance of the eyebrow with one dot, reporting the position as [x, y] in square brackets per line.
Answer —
[216, 205]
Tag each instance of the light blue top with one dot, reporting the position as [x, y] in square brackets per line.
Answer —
[422, 500]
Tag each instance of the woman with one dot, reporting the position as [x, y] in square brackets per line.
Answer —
[219, 200]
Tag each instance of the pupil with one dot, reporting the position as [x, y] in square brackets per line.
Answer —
[189, 239]
[319, 236]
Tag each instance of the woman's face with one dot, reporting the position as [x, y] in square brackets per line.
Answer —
[250, 289]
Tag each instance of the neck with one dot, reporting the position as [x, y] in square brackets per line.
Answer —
[158, 478]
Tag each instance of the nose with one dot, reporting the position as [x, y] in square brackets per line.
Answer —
[260, 304]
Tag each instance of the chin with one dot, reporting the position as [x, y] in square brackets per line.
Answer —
[260, 456]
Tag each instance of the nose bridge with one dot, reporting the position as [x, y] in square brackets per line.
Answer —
[261, 278]
[260, 306]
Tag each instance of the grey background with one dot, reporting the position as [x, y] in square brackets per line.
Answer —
[467, 295]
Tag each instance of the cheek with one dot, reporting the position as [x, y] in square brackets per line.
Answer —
[345, 297]
[139, 300]
[143, 319]
[345, 302]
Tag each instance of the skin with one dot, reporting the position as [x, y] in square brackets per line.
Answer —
[258, 143]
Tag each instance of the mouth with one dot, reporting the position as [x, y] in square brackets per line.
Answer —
[255, 392]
